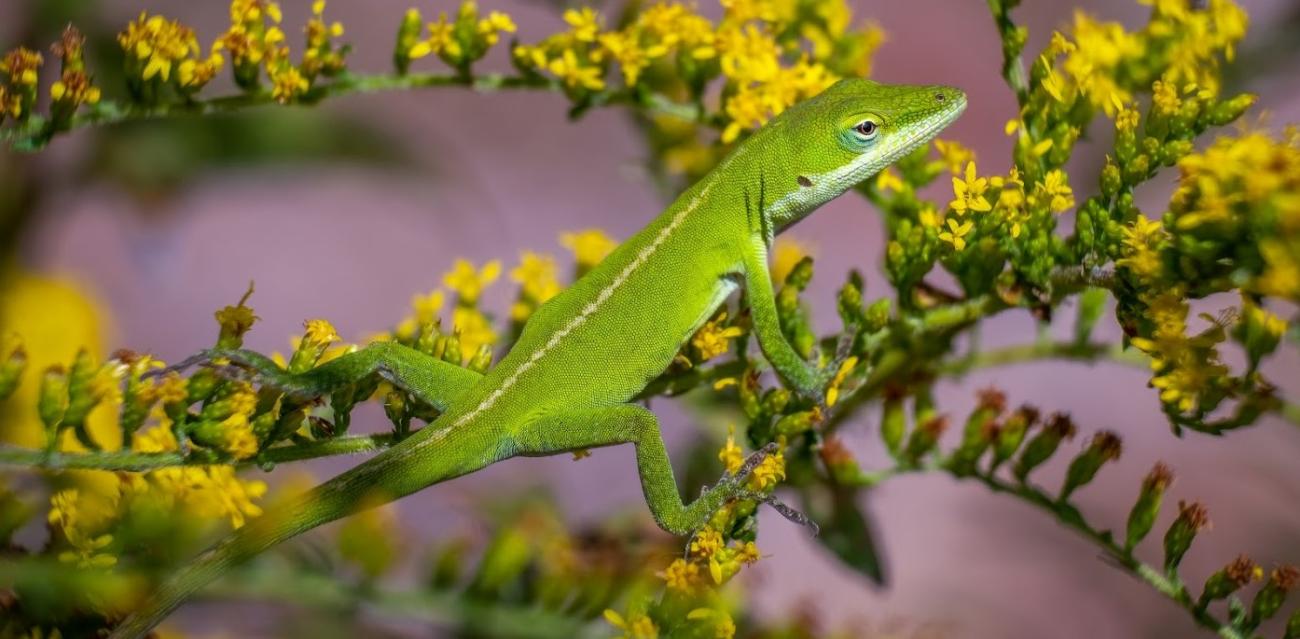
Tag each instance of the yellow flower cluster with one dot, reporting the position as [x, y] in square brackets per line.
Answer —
[458, 42]
[1104, 64]
[588, 246]
[21, 69]
[537, 276]
[1187, 369]
[714, 338]
[155, 46]
[1245, 189]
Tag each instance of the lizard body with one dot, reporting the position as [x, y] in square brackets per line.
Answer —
[566, 383]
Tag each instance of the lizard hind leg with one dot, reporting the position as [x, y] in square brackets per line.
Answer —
[576, 429]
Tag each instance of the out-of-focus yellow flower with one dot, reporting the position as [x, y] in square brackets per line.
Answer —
[731, 456]
[589, 246]
[785, 255]
[954, 154]
[956, 233]
[575, 73]
[55, 319]
[584, 23]
[468, 282]
[635, 626]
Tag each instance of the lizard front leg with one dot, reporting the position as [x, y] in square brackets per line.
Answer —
[805, 378]
[578, 429]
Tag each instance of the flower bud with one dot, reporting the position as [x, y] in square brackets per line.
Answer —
[893, 421]
[1258, 331]
[408, 45]
[979, 431]
[801, 274]
[849, 301]
[1192, 519]
[451, 350]
[844, 468]
[13, 361]
[1012, 433]
[1092, 303]
[1231, 109]
[395, 408]
[1143, 515]
[52, 400]
[924, 438]
[1042, 446]
[318, 337]
[482, 360]
[139, 395]
[800, 422]
[84, 389]
[235, 321]
[1105, 446]
[1110, 179]
[877, 315]
[1229, 579]
[1293, 626]
[1270, 598]
[748, 391]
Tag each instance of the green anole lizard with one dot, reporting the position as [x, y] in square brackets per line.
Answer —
[567, 383]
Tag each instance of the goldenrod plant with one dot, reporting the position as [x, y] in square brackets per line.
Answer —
[133, 466]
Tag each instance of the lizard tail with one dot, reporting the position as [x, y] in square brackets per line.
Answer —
[429, 456]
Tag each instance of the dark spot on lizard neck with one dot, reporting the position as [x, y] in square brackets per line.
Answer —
[803, 181]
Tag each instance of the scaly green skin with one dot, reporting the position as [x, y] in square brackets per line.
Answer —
[584, 354]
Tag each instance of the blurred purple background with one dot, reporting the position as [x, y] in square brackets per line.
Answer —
[499, 174]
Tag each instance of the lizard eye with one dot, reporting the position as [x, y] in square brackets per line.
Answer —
[866, 129]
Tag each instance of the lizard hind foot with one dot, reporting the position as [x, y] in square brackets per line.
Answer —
[790, 513]
[755, 458]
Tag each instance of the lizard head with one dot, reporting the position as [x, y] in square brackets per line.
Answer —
[846, 134]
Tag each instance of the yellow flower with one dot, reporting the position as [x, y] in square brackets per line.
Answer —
[469, 282]
[584, 23]
[1055, 188]
[240, 441]
[426, 307]
[536, 275]
[442, 39]
[968, 194]
[589, 246]
[636, 626]
[713, 339]
[632, 58]
[954, 154]
[682, 575]
[287, 83]
[576, 74]
[833, 389]
[473, 329]
[707, 542]
[496, 23]
[768, 473]
[731, 456]
[889, 180]
[956, 233]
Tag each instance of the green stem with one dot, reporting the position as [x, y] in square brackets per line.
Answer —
[36, 131]
[133, 461]
[1070, 517]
